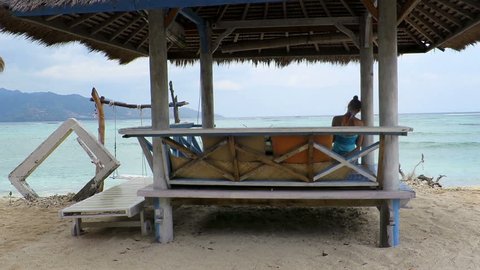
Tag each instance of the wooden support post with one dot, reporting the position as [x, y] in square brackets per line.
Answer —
[101, 126]
[366, 82]
[390, 223]
[160, 119]
[206, 76]
[388, 95]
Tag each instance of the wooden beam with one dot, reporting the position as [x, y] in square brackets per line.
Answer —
[143, 26]
[414, 38]
[255, 24]
[171, 15]
[106, 23]
[436, 20]
[51, 18]
[349, 9]
[407, 8]
[427, 24]
[473, 3]
[148, 132]
[420, 30]
[124, 28]
[443, 13]
[349, 33]
[220, 38]
[222, 13]
[84, 34]
[282, 42]
[372, 9]
[454, 7]
[80, 20]
[460, 31]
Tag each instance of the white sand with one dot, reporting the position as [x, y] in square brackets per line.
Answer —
[441, 231]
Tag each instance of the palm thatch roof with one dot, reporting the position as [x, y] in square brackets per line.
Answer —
[272, 32]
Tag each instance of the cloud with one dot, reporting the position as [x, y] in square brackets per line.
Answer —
[227, 85]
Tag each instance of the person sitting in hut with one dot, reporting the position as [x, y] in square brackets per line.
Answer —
[346, 144]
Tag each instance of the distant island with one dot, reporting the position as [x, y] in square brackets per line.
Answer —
[16, 106]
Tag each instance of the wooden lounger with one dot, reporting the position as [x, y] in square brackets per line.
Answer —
[118, 201]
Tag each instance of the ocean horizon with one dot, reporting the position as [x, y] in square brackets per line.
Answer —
[449, 142]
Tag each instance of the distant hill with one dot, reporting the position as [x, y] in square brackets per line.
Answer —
[16, 106]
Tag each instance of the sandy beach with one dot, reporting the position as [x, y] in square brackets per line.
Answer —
[440, 231]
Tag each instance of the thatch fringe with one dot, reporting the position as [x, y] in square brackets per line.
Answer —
[49, 37]
[468, 38]
[277, 61]
[2, 65]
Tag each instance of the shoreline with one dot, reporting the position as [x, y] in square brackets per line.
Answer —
[440, 230]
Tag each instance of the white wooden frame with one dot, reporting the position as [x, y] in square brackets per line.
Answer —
[95, 150]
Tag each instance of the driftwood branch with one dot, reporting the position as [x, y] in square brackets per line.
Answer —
[104, 100]
[421, 179]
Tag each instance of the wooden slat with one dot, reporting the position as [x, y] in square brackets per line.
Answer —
[274, 183]
[264, 159]
[120, 200]
[231, 146]
[277, 194]
[310, 158]
[148, 132]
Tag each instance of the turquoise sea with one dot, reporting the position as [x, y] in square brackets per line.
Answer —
[450, 143]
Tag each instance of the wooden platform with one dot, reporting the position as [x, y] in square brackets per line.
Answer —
[118, 201]
[277, 194]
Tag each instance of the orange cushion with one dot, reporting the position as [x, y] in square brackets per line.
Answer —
[284, 144]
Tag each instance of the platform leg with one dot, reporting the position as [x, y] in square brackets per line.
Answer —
[163, 220]
[77, 227]
[389, 223]
[142, 223]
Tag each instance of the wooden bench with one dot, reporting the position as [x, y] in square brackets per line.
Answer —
[309, 189]
[120, 201]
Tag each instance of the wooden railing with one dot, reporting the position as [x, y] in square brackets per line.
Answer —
[242, 163]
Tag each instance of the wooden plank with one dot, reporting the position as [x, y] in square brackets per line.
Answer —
[277, 203]
[407, 9]
[277, 194]
[148, 132]
[310, 158]
[273, 183]
[231, 146]
[282, 42]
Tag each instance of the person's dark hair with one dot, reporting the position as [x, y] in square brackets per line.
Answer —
[355, 104]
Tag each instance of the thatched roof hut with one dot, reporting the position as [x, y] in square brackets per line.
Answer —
[260, 31]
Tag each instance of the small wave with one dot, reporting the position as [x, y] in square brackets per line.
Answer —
[463, 114]
[430, 144]
[468, 124]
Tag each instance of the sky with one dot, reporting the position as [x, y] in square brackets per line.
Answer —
[434, 82]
